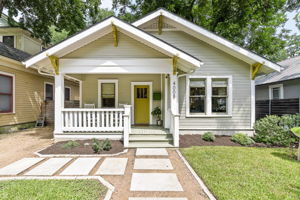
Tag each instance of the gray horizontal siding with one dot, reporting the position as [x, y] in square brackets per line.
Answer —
[216, 63]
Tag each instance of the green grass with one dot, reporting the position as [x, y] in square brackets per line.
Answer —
[52, 189]
[243, 173]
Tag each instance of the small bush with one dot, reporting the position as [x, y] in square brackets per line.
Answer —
[106, 145]
[71, 144]
[98, 146]
[208, 136]
[242, 139]
[275, 130]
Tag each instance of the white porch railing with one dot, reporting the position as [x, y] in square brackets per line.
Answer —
[94, 120]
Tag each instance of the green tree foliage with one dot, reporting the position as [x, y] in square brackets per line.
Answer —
[39, 15]
[252, 24]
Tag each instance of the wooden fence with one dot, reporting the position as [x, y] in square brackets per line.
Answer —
[276, 107]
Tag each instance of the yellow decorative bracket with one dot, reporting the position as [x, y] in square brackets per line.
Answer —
[115, 34]
[255, 68]
[55, 63]
[160, 24]
[175, 59]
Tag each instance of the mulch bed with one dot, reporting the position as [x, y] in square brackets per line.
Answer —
[57, 148]
[196, 140]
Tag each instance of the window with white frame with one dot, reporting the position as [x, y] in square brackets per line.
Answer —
[219, 97]
[108, 93]
[197, 95]
[208, 96]
[67, 93]
[276, 91]
[49, 92]
[6, 93]
[9, 40]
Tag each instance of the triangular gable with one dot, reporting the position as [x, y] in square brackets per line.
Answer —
[98, 30]
[209, 37]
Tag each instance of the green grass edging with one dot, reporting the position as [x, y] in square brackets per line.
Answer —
[233, 173]
[52, 189]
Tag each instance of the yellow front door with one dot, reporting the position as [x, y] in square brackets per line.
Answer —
[141, 104]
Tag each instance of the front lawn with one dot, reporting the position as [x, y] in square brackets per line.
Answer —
[52, 189]
[234, 173]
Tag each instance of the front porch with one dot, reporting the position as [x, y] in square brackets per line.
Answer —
[119, 106]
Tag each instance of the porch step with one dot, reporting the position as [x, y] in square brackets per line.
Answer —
[150, 144]
[150, 137]
[152, 131]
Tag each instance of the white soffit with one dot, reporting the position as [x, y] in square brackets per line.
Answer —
[104, 28]
[210, 38]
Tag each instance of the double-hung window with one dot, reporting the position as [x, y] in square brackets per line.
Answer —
[9, 40]
[49, 92]
[108, 93]
[208, 96]
[197, 95]
[6, 93]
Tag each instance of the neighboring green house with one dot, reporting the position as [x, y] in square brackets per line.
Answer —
[206, 82]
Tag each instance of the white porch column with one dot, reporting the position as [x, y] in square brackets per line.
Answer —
[59, 103]
[127, 125]
[174, 108]
[166, 103]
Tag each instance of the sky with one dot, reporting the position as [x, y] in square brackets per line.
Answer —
[290, 24]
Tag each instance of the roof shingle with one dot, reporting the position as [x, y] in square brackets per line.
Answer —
[13, 53]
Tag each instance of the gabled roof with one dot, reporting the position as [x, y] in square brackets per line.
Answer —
[291, 70]
[13, 53]
[102, 28]
[211, 38]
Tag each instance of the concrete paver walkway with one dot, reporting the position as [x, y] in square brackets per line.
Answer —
[19, 166]
[81, 166]
[141, 174]
[49, 167]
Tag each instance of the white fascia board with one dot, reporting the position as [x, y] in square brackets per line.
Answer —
[128, 28]
[209, 35]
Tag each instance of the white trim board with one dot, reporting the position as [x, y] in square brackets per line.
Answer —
[281, 91]
[150, 100]
[14, 91]
[103, 28]
[209, 37]
[116, 82]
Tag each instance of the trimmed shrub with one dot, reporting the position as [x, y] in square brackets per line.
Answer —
[98, 146]
[71, 144]
[106, 145]
[275, 130]
[242, 139]
[209, 137]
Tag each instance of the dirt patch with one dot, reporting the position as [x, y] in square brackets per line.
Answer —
[85, 147]
[196, 140]
[17, 145]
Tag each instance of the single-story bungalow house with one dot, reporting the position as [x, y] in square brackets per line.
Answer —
[201, 81]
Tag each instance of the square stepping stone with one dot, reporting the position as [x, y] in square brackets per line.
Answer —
[49, 167]
[81, 166]
[19, 166]
[113, 166]
[152, 164]
[155, 182]
[155, 198]
[151, 152]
